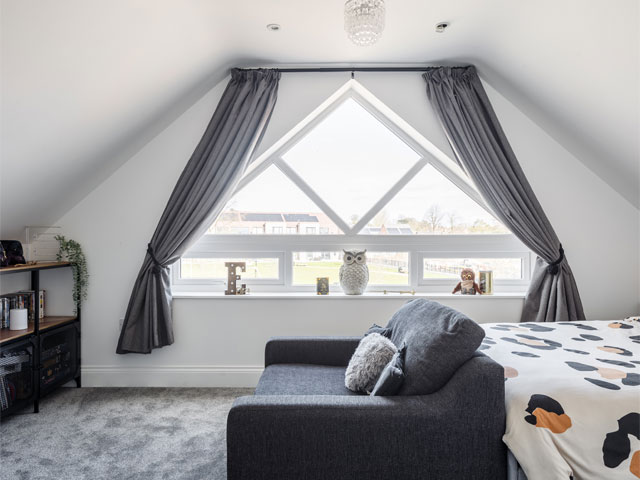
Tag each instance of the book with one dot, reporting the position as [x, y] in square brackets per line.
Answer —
[27, 300]
[32, 302]
[41, 301]
[5, 308]
[23, 299]
[4, 398]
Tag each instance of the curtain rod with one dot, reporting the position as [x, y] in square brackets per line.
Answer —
[348, 69]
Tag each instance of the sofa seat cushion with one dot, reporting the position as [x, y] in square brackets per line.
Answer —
[302, 379]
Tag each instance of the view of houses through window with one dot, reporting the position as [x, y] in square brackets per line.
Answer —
[272, 205]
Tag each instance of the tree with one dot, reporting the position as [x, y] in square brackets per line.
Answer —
[433, 217]
[451, 220]
[381, 218]
[480, 226]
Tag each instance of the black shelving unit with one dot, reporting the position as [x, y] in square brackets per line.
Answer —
[44, 356]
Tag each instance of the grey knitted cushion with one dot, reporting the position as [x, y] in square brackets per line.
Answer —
[439, 340]
[373, 353]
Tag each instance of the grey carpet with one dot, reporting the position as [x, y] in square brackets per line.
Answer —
[120, 433]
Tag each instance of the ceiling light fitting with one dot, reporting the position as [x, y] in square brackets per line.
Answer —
[441, 27]
[274, 27]
[364, 21]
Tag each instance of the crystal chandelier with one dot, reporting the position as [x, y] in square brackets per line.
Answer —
[364, 20]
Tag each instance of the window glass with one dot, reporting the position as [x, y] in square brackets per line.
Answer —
[431, 205]
[214, 268]
[385, 268]
[307, 266]
[270, 204]
[388, 268]
[503, 268]
[351, 159]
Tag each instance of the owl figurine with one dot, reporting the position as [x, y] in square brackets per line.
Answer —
[354, 273]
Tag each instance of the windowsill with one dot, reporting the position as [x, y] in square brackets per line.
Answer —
[341, 296]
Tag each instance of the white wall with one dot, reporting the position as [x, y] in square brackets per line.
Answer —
[220, 341]
[57, 285]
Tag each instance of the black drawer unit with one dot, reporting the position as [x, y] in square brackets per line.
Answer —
[17, 376]
[58, 357]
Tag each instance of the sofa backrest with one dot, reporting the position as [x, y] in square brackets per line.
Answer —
[439, 340]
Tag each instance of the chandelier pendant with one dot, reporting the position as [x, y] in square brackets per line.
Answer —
[364, 21]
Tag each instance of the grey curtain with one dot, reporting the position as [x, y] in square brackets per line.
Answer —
[483, 152]
[208, 180]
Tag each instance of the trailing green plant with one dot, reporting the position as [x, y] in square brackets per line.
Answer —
[71, 251]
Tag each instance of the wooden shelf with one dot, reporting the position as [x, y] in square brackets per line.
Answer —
[6, 334]
[37, 266]
[49, 322]
[45, 324]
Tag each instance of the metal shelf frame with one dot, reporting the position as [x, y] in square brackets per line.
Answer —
[35, 337]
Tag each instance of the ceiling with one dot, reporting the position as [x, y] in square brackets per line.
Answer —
[86, 83]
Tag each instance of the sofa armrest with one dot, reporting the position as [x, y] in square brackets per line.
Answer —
[453, 433]
[334, 351]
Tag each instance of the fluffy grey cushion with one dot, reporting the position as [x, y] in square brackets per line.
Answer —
[439, 340]
[392, 376]
[374, 352]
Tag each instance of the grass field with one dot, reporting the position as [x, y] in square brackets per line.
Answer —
[428, 274]
[305, 273]
[214, 267]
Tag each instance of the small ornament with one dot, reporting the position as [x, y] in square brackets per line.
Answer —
[485, 279]
[322, 285]
[354, 273]
[233, 277]
[467, 286]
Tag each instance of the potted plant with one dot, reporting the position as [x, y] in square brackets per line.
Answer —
[71, 251]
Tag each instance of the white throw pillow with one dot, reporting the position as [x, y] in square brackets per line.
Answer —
[372, 355]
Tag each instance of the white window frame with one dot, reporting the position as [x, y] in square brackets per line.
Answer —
[417, 246]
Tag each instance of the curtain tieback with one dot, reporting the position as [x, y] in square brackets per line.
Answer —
[553, 267]
[156, 264]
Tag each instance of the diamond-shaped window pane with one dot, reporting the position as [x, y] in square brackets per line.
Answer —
[351, 160]
[431, 204]
[272, 205]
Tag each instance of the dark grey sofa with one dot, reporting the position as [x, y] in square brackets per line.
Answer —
[304, 424]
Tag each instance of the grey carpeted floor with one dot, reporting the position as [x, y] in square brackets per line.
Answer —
[120, 433]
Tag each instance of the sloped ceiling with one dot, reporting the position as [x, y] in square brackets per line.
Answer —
[86, 83]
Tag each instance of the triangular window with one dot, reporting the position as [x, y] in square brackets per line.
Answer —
[360, 173]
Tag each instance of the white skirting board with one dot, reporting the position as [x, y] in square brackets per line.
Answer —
[171, 376]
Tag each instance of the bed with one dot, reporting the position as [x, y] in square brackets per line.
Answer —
[572, 396]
